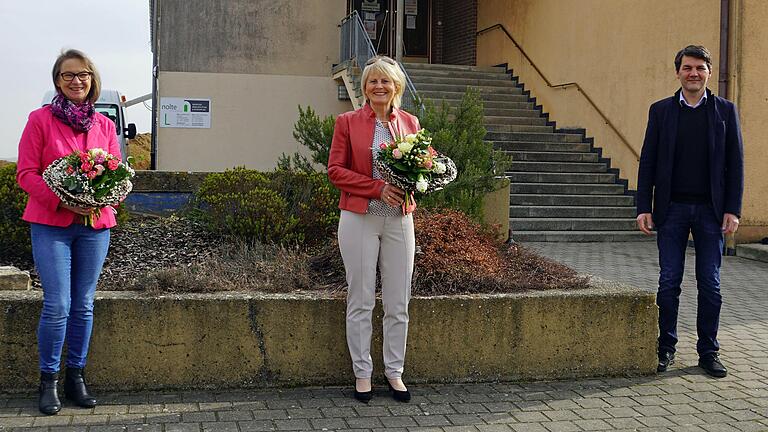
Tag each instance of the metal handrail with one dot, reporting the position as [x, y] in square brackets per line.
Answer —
[568, 84]
[357, 48]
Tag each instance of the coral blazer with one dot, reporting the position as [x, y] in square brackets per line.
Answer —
[45, 139]
[350, 163]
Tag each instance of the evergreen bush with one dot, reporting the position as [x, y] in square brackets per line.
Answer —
[459, 133]
[277, 207]
[14, 232]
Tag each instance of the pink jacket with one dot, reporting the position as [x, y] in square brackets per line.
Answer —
[350, 163]
[45, 139]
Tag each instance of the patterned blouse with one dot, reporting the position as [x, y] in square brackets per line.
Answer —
[378, 207]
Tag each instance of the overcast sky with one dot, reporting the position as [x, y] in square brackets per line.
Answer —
[114, 33]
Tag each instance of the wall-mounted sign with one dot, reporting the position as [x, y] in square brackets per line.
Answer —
[185, 113]
[370, 6]
[411, 7]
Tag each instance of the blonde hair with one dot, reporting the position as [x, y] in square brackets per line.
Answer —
[389, 68]
[95, 91]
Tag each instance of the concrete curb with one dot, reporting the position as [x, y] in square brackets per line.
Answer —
[753, 251]
[245, 339]
[12, 278]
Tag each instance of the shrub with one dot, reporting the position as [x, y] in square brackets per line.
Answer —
[14, 233]
[315, 134]
[460, 133]
[139, 149]
[277, 207]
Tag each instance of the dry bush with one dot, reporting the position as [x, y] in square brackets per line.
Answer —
[139, 149]
[235, 266]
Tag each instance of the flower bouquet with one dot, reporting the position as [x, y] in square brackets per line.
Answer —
[90, 179]
[411, 164]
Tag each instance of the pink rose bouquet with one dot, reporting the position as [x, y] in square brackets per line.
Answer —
[90, 179]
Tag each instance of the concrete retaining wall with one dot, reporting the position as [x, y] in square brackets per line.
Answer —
[242, 340]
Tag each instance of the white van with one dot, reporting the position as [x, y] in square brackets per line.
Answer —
[110, 104]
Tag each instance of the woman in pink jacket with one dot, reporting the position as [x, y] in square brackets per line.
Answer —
[372, 227]
[68, 254]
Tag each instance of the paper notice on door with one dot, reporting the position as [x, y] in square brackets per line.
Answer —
[370, 16]
[410, 22]
[370, 6]
[370, 28]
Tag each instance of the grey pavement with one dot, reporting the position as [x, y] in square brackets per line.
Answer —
[683, 399]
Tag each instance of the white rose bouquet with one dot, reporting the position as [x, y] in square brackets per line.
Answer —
[411, 164]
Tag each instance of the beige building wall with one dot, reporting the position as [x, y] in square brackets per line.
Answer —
[252, 118]
[619, 55]
[257, 60]
[750, 93]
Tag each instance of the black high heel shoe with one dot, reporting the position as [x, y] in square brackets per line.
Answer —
[399, 395]
[364, 397]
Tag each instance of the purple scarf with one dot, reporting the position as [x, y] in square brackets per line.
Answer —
[78, 116]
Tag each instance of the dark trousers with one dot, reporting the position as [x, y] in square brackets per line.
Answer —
[672, 239]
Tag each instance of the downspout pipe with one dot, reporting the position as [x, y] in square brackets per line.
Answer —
[155, 101]
[725, 38]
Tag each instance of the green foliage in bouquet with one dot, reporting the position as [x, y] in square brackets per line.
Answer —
[459, 133]
[315, 134]
[287, 207]
[14, 233]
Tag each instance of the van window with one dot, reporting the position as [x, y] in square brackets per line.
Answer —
[111, 111]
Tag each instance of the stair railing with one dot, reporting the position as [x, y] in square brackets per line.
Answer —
[563, 85]
[356, 49]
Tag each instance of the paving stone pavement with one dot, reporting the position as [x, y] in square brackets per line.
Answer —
[683, 399]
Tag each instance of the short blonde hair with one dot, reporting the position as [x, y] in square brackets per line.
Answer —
[95, 91]
[389, 68]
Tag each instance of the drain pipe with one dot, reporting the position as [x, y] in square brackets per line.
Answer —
[725, 38]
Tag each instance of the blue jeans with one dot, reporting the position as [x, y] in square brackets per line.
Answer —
[69, 262]
[672, 239]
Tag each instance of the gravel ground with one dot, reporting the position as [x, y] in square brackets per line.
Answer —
[144, 244]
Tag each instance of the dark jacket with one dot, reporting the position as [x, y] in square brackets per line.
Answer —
[726, 157]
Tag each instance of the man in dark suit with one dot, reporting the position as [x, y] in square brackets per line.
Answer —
[691, 167]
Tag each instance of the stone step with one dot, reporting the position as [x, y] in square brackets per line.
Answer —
[488, 104]
[461, 88]
[572, 224]
[566, 189]
[534, 146]
[502, 112]
[512, 120]
[562, 167]
[445, 67]
[571, 200]
[525, 211]
[456, 75]
[580, 236]
[484, 96]
[558, 177]
[534, 156]
[519, 128]
[535, 137]
[500, 81]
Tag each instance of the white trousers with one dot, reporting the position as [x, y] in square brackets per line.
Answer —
[364, 241]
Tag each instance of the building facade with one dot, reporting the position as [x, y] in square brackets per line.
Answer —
[592, 64]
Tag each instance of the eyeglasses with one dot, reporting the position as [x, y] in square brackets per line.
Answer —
[82, 76]
[385, 59]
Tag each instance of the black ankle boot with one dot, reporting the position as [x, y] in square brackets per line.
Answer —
[49, 402]
[75, 389]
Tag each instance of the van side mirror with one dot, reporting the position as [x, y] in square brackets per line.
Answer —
[130, 131]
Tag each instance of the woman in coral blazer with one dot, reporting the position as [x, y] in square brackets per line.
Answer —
[68, 254]
[373, 227]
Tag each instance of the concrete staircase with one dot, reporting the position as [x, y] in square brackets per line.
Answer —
[562, 189]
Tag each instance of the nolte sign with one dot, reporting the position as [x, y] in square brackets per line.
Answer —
[185, 113]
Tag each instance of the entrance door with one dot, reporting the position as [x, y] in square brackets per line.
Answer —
[378, 18]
